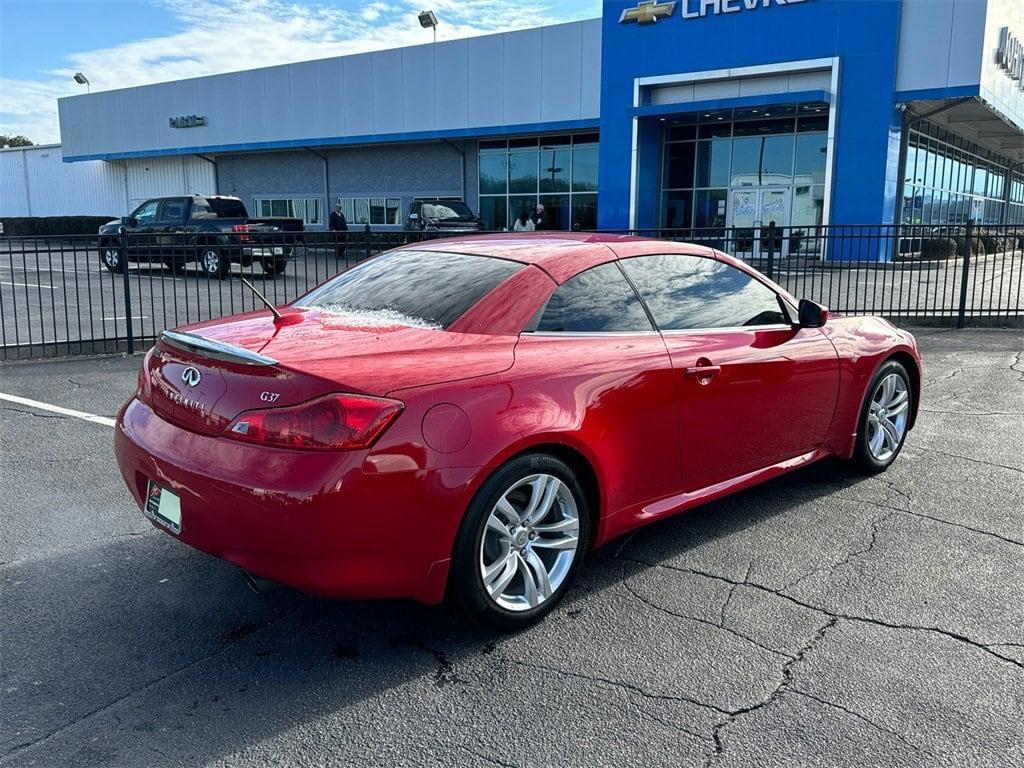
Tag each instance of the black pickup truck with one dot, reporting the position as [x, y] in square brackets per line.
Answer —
[213, 230]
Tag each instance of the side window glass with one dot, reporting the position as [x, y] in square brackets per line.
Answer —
[597, 300]
[147, 213]
[691, 292]
[173, 211]
[201, 210]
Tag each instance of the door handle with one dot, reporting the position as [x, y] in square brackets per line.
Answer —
[704, 371]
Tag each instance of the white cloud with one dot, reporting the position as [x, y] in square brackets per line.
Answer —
[233, 35]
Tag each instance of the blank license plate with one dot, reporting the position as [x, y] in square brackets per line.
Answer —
[164, 507]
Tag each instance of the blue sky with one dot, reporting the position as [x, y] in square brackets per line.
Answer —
[120, 43]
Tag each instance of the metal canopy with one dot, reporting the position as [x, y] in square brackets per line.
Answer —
[975, 120]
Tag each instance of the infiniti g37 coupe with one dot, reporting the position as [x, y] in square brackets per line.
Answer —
[469, 418]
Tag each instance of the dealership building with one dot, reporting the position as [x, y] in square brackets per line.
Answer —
[684, 113]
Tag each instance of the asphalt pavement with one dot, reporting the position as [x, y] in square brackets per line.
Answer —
[821, 619]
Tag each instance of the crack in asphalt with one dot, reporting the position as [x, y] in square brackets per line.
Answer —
[151, 683]
[732, 590]
[967, 458]
[850, 556]
[626, 686]
[923, 516]
[37, 414]
[1018, 365]
[784, 683]
[986, 647]
[697, 619]
[488, 758]
[859, 716]
[973, 413]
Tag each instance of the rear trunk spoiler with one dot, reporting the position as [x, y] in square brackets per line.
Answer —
[218, 350]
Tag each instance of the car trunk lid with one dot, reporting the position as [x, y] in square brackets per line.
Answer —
[201, 377]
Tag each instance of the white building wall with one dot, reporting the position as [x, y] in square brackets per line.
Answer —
[1005, 94]
[939, 44]
[34, 181]
[528, 78]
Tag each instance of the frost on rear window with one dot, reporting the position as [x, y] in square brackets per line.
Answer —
[424, 289]
[377, 318]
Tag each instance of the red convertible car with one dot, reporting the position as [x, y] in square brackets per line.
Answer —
[471, 417]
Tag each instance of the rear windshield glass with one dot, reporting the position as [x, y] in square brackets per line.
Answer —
[419, 288]
[227, 209]
[442, 211]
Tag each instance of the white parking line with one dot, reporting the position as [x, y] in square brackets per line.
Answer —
[107, 422]
[123, 317]
[26, 285]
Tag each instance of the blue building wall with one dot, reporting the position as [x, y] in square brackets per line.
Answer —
[864, 35]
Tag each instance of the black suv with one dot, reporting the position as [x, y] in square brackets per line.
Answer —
[442, 216]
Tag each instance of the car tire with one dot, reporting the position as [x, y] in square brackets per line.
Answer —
[884, 418]
[274, 267]
[212, 262]
[113, 257]
[175, 266]
[542, 547]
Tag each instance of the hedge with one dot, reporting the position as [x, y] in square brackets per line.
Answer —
[938, 248]
[32, 226]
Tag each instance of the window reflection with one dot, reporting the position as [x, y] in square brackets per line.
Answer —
[558, 171]
[597, 300]
[691, 292]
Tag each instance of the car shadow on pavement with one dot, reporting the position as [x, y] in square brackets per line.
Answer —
[158, 654]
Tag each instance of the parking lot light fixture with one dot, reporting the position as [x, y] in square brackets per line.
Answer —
[428, 19]
[83, 80]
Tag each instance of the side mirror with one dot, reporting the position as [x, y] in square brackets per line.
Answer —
[414, 216]
[812, 315]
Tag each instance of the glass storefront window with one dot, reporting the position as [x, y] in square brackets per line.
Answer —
[493, 212]
[584, 169]
[808, 206]
[493, 174]
[522, 171]
[784, 147]
[709, 209]
[676, 209]
[518, 204]
[558, 210]
[949, 180]
[713, 158]
[811, 151]
[679, 164]
[584, 212]
[558, 171]
[555, 169]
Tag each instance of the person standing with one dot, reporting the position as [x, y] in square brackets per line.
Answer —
[524, 223]
[339, 226]
[540, 218]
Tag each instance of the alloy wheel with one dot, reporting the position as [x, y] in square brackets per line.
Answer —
[529, 542]
[211, 262]
[112, 258]
[887, 416]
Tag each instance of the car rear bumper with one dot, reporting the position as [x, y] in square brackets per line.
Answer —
[328, 523]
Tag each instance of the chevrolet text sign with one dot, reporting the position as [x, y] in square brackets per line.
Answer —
[1010, 56]
[650, 11]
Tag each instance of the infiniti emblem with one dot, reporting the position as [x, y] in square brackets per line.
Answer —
[191, 376]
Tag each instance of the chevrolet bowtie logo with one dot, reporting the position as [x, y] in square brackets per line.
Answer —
[647, 12]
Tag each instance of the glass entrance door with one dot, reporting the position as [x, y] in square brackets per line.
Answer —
[750, 213]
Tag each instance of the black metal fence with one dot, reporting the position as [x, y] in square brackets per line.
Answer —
[60, 296]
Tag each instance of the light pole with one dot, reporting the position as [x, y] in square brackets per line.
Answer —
[83, 80]
[429, 19]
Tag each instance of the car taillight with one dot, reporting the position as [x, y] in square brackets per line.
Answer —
[242, 230]
[330, 423]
